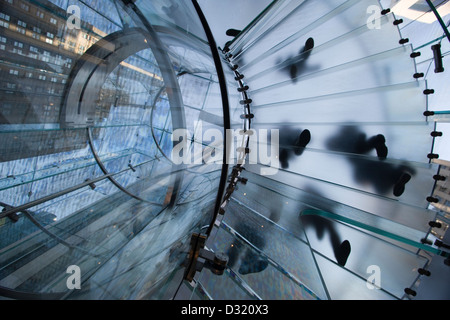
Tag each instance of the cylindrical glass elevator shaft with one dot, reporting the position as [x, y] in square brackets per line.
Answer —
[92, 92]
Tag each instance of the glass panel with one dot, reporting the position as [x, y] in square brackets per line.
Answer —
[258, 271]
[366, 175]
[146, 261]
[324, 22]
[179, 16]
[363, 40]
[232, 287]
[294, 196]
[397, 267]
[409, 141]
[292, 254]
[90, 95]
[355, 288]
[367, 105]
[357, 74]
[380, 227]
[290, 19]
[272, 15]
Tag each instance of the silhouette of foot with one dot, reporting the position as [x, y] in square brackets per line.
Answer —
[253, 266]
[275, 215]
[233, 255]
[380, 146]
[284, 159]
[309, 44]
[302, 141]
[342, 252]
[293, 72]
[399, 186]
[232, 32]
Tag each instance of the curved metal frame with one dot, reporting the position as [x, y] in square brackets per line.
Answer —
[91, 71]
[170, 79]
[225, 106]
[109, 177]
[86, 79]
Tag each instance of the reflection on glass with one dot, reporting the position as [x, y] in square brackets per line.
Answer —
[90, 93]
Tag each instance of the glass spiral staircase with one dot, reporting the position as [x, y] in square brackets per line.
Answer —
[337, 209]
[93, 92]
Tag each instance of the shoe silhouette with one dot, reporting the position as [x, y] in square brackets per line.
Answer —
[399, 186]
[302, 141]
[305, 52]
[232, 32]
[379, 143]
[309, 44]
[253, 266]
[342, 252]
[284, 159]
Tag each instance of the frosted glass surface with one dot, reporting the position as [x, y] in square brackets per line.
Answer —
[366, 250]
[408, 142]
[292, 202]
[361, 74]
[267, 21]
[355, 83]
[398, 267]
[288, 183]
[367, 105]
[318, 66]
[356, 288]
[362, 40]
[365, 174]
[296, 21]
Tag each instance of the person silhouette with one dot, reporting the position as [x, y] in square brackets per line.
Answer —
[322, 225]
[341, 249]
[384, 176]
[292, 143]
[296, 65]
[299, 66]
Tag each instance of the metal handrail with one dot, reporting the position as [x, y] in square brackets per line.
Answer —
[439, 18]
[225, 106]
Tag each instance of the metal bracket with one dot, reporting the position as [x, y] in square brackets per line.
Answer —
[12, 216]
[439, 228]
[199, 258]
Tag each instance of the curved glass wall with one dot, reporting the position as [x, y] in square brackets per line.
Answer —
[91, 94]
[116, 158]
